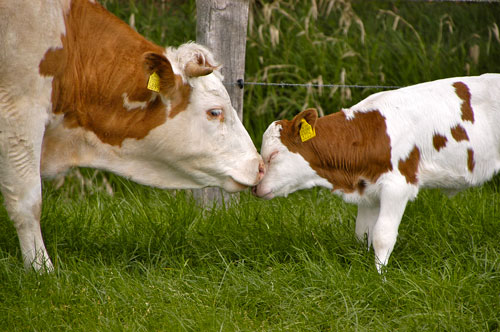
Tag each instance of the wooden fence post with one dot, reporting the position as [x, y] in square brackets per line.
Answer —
[221, 25]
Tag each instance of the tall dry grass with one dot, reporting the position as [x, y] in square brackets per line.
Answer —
[359, 42]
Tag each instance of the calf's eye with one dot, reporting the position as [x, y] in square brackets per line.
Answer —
[271, 157]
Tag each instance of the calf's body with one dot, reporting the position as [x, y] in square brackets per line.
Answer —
[379, 153]
[79, 87]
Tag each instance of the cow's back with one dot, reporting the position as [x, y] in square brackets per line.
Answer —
[454, 123]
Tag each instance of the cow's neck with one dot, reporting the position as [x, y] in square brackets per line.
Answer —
[101, 107]
[64, 148]
[137, 160]
[99, 82]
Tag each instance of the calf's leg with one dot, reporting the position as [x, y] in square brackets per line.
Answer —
[365, 221]
[393, 200]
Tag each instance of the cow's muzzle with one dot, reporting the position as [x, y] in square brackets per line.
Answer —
[235, 184]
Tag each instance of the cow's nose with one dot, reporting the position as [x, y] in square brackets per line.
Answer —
[262, 171]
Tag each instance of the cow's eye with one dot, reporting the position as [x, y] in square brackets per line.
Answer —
[214, 113]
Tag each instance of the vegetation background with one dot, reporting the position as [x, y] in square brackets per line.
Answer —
[144, 259]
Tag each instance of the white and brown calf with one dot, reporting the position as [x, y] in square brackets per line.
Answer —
[380, 152]
[79, 87]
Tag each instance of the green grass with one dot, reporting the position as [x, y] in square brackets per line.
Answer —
[148, 260]
[151, 260]
[395, 43]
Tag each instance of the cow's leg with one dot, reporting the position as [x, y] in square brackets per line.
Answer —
[20, 148]
[23, 203]
[365, 221]
[393, 200]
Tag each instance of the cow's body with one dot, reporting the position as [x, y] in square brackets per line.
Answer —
[74, 91]
[380, 152]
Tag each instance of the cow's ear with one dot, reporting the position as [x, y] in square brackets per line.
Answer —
[161, 77]
[304, 124]
[199, 67]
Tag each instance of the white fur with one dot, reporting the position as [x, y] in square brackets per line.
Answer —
[188, 52]
[412, 115]
[132, 105]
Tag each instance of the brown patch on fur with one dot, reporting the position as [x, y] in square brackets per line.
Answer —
[459, 134]
[53, 62]
[361, 186]
[345, 152]
[470, 160]
[439, 141]
[409, 166]
[180, 99]
[101, 59]
[462, 91]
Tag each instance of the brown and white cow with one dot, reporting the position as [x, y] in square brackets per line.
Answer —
[78, 87]
[380, 152]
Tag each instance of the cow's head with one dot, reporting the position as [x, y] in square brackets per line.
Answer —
[161, 117]
[286, 152]
[202, 142]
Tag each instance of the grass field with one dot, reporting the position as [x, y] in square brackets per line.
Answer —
[151, 260]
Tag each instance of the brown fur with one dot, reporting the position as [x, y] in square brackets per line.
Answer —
[409, 166]
[101, 59]
[345, 152]
[463, 93]
[470, 160]
[439, 141]
[459, 134]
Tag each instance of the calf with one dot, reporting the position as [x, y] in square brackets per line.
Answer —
[79, 87]
[380, 152]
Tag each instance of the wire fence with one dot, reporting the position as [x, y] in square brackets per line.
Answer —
[242, 83]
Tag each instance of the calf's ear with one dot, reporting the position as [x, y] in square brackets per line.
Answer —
[304, 123]
[161, 77]
[310, 115]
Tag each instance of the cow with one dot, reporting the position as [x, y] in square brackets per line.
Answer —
[79, 87]
[380, 152]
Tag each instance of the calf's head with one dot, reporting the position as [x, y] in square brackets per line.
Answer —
[286, 151]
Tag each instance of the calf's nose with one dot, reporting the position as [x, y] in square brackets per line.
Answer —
[254, 190]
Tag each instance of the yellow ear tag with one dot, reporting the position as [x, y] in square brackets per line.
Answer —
[154, 82]
[306, 131]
